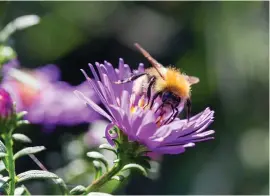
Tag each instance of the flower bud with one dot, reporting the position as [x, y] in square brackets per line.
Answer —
[6, 105]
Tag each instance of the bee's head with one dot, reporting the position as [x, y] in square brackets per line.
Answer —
[169, 97]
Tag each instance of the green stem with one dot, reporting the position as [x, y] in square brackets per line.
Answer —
[10, 163]
[97, 184]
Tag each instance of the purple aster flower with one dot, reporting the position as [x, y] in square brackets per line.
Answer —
[6, 105]
[149, 128]
[47, 100]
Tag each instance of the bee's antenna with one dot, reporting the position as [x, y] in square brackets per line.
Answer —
[34, 158]
[153, 61]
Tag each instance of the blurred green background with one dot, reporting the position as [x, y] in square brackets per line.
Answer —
[225, 44]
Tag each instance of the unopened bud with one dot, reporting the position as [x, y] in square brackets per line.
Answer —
[6, 105]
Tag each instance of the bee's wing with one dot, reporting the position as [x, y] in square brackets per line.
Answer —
[192, 79]
[159, 67]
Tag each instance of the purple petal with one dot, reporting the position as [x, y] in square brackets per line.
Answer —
[170, 150]
[92, 105]
[125, 102]
[93, 72]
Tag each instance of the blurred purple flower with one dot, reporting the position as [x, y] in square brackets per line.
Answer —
[6, 105]
[47, 100]
[124, 110]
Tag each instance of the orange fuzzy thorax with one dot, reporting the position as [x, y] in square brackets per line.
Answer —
[174, 82]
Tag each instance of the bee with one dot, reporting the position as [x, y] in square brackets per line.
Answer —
[168, 83]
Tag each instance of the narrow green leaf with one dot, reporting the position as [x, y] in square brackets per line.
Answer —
[29, 150]
[107, 147]
[35, 174]
[26, 192]
[98, 156]
[116, 160]
[22, 122]
[2, 155]
[98, 169]
[4, 182]
[2, 147]
[21, 138]
[20, 115]
[19, 191]
[78, 190]
[118, 178]
[62, 185]
[135, 166]
[2, 166]
[98, 194]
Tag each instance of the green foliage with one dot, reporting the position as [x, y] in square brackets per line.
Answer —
[35, 174]
[28, 150]
[78, 190]
[21, 138]
[136, 167]
[99, 157]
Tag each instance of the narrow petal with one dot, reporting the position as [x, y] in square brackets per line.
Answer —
[111, 71]
[93, 72]
[110, 88]
[117, 114]
[125, 101]
[170, 150]
[102, 71]
[94, 86]
[141, 68]
[146, 131]
[204, 134]
[93, 105]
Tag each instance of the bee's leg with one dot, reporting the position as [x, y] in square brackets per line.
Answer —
[159, 107]
[131, 78]
[188, 108]
[151, 83]
[154, 98]
[175, 115]
[167, 121]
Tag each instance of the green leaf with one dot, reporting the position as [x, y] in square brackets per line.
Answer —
[2, 155]
[116, 160]
[118, 178]
[2, 147]
[19, 191]
[78, 190]
[2, 166]
[98, 156]
[20, 115]
[35, 174]
[21, 138]
[22, 122]
[19, 23]
[4, 185]
[98, 169]
[29, 150]
[98, 194]
[41, 174]
[26, 192]
[62, 185]
[107, 147]
[135, 166]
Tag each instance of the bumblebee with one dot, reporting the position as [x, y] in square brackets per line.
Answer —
[168, 83]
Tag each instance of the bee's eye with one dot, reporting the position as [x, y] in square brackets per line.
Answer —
[167, 95]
